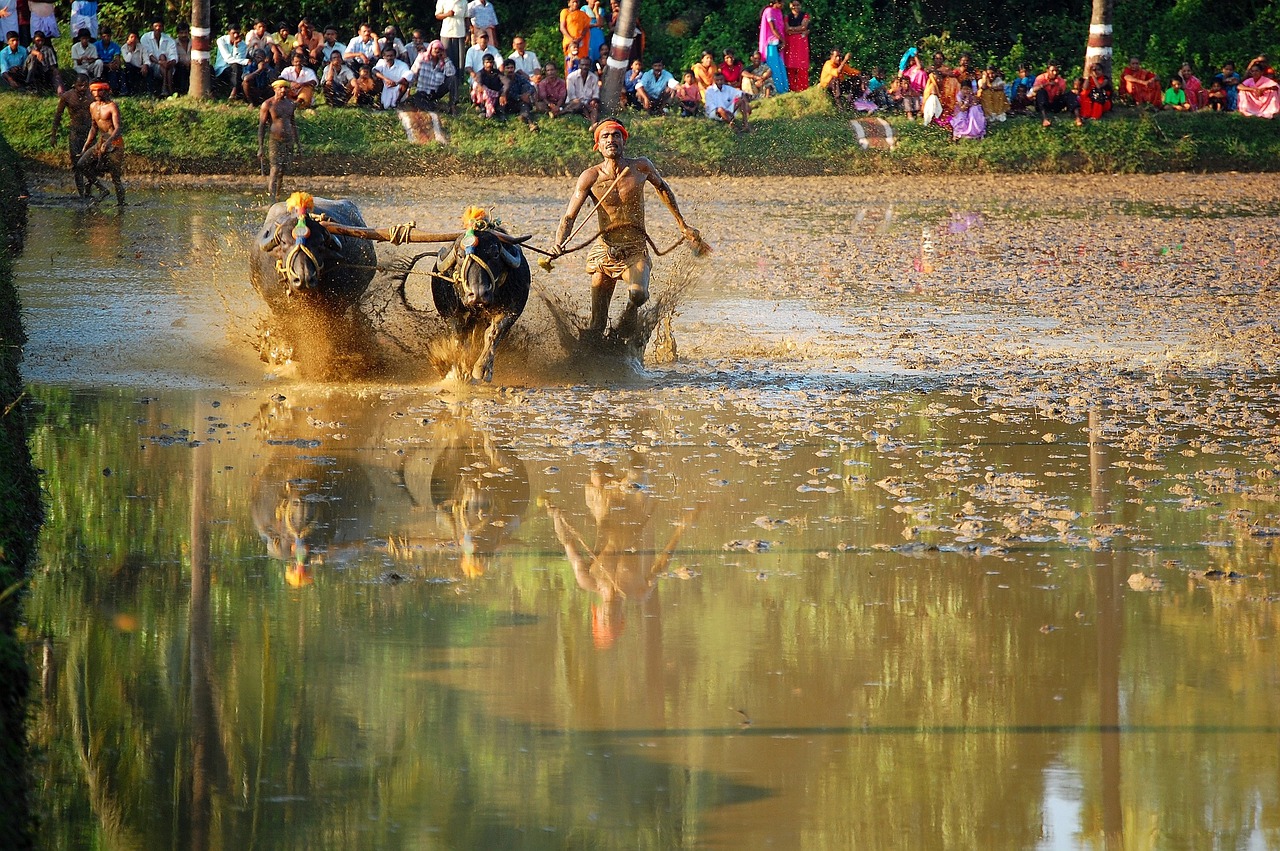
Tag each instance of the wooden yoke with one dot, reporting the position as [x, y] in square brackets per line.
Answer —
[396, 234]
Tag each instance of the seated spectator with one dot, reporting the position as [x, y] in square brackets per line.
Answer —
[840, 79]
[1258, 95]
[42, 64]
[551, 91]
[526, 60]
[1051, 95]
[230, 61]
[940, 93]
[392, 37]
[582, 92]
[1175, 98]
[726, 103]
[630, 80]
[1216, 97]
[486, 86]
[261, 40]
[875, 89]
[704, 72]
[966, 73]
[310, 42]
[1097, 94]
[434, 77]
[968, 121]
[84, 56]
[689, 96]
[477, 52]
[84, 16]
[161, 57]
[365, 87]
[257, 80]
[656, 89]
[417, 45]
[329, 45]
[516, 95]
[483, 19]
[757, 77]
[1229, 80]
[901, 96]
[136, 69]
[991, 94]
[301, 79]
[1192, 86]
[362, 50]
[1019, 91]
[284, 43]
[732, 69]
[1140, 85]
[338, 81]
[112, 60]
[182, 70]
[394, 76]
[43, 20]
[13, 62]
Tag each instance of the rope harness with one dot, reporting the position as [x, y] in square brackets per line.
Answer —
[284, 267]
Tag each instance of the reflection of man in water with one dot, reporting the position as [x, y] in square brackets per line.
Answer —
[620, 569]
[622, 253]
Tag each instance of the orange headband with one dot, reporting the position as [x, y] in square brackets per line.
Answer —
[608, 124]
[99, 87]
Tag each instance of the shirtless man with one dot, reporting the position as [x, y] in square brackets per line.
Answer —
[103, 151]
[277, 112]
[75, 102]
[622, 253]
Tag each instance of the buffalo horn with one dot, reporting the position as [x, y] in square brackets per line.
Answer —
[511, 256]
[508, 239]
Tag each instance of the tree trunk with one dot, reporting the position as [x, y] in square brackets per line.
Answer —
[1098, 50]
[201, 82]
[619, 58]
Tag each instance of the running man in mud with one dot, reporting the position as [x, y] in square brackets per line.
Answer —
[75, 102]
[278, 113]
[616, 186]
[103, 151]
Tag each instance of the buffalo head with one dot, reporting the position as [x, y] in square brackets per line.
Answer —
[478, 263]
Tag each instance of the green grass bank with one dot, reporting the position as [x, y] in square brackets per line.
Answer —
[796, 134]
[20, 515]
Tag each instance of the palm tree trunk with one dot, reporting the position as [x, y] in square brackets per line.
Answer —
[619, 56]
[200, 44]
[1098, 50]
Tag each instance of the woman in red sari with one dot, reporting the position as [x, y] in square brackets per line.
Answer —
[795, 53]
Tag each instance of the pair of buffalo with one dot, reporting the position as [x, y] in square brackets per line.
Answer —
[480, 283]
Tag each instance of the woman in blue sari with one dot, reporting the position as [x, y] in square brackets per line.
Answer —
[773, 29]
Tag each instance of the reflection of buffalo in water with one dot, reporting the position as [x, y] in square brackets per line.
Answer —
[309, 509]
[477, 491]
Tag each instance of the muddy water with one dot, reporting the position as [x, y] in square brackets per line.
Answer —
[953, 526]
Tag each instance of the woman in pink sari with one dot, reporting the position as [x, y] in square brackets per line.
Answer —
[1192, 86]
[773, 33]
[795, 50]
[1258, 94]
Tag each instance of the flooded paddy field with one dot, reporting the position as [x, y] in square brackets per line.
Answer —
[952, 524]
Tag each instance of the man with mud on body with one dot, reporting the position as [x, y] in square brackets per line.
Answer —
[103, 151]
[622, 254]
[75, 102]
[278, 113]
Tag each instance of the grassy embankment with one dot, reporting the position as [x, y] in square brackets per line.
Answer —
[798, 134]
[19, 515]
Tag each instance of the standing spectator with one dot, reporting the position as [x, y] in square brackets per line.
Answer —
[1230, 82]
[84, 16]
[551, 91]
[337, 81]
[516, 97]
[726, 103]
[394, 75]
[596, 36]
[575, 38]
[85, 61]
[182, 70]
[483, 19]
[795, 51]
[13, 60]
[112, 59]
[136, 69]
[636, 51]
[1140, 85]
[362, 49]
[230, 61]
[434, 76]
[452, 15]
[1051, 95]
[161, 56]
[330, 45]
[526, 60]
[582, 92]
[704, 74]
[656, 89]
[757, 77]
[8, 18]
[689, 95]
[772, 34]
[43, 19]
[301, 79]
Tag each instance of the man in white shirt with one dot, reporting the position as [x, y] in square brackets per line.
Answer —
[302, 81]
[362, 50]
[452, 15]
[484, 20]
[160, 52]
[392, 37]
[337, 81]
[231, 60]
[394, 75]
[330, 45]
[259, 39]
[477, 52]
[84, 56]
[526, 60]
[134, 59]
[724, 103]
[582, 92]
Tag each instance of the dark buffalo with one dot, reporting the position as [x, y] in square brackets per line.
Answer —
[298, 263]
[480, 285]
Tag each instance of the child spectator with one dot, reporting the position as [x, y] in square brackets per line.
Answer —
[365, 88]
[689, 94]
[1097, 95]
[1230, 82]
[875, 89]
[630, 81]
[1217, 97]
[1175, 98]
[1018, 91]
